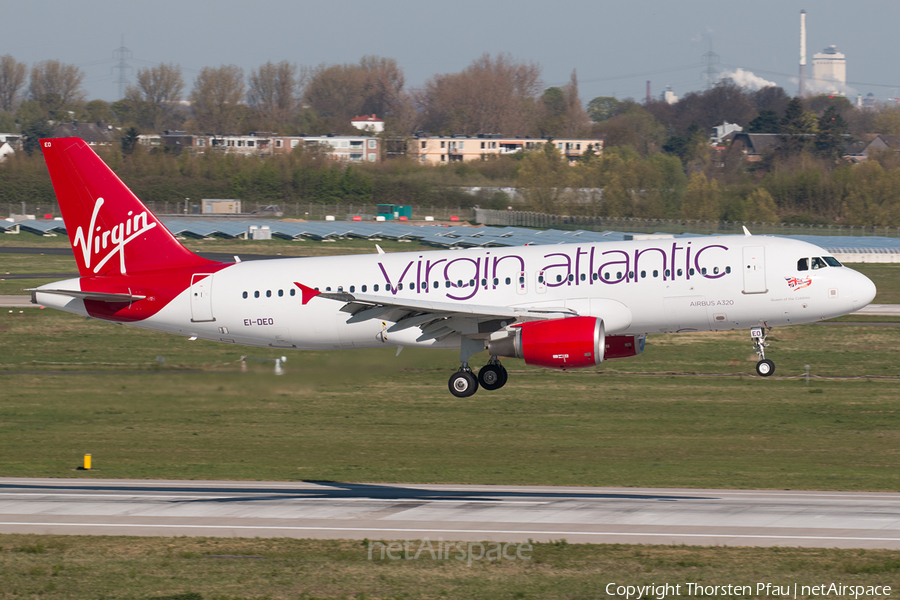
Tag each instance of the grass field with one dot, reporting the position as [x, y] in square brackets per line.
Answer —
[232, 569]
[73, 386]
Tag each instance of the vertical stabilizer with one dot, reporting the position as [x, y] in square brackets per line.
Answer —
[110, 229]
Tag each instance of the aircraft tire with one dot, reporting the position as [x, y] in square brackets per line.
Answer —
[492, 377]
[765, 368]
[463, 384]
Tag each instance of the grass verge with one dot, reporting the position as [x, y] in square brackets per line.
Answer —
[212, 568]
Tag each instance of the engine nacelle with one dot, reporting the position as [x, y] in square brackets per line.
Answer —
[623, 346]
[571, 343]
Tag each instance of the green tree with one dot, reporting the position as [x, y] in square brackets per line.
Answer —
[766, 121]
[832, 134]
[12, 81]
[702, 199]
[544, 177]
[32, 133]
[602, 108]
[216, 98]
[56, 86]
[761, 207]
[130, 140]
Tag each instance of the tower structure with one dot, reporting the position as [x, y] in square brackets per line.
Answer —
[122, 54]
[802, 53]
[829, 71]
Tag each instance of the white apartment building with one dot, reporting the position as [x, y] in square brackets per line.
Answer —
[445, 149]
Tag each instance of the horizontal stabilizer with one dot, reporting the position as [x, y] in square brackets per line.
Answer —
[98, 296]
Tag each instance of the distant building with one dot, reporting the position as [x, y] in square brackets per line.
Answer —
[5, 150]
[722, 133]
[95, 134]
[349, 148]
[668, 96]
[444, 149]
[829, 71]
[368, 123]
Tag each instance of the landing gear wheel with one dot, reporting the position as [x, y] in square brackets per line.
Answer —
[463, 384]
[492, 376]
[765, 367]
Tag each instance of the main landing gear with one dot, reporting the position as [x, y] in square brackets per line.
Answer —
[764, 367]
[465, 382]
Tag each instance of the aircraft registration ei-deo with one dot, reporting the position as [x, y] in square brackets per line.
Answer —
[564, 307]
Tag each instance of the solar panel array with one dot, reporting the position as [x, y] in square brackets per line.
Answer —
[433, 235]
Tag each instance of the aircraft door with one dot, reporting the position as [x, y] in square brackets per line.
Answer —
[540, 284]
[201, 298]
[755, 270]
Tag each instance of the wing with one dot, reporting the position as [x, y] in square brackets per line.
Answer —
[436, 319]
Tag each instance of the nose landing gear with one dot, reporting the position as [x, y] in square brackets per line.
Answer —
[764, 367]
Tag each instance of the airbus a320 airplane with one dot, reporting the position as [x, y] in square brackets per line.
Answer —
[563, 307]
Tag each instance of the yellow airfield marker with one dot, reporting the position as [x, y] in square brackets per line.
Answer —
[87, 462]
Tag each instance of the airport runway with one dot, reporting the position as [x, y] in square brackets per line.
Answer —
[450, 512]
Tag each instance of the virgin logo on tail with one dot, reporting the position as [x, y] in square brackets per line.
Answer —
[99, 240]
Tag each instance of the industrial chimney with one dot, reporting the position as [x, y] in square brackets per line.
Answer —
[802, 53]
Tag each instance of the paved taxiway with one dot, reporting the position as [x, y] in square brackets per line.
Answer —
[450, 512]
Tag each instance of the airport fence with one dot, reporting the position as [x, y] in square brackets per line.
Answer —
[521, 218]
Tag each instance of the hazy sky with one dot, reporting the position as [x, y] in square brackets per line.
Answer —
[615, 46]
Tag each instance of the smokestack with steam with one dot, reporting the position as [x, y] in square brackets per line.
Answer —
[802, 53]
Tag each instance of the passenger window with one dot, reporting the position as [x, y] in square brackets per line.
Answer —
[459, 283]
[803, 264]
[245, 294]
[471, 283]
[436, 285]
[521, 280]
[497, 281]
[728, 269]
[571, 278]
[363, 289]
[715, 271]
[280, 293]
[702, 271]
[424, 285]
[399, 286]
[558, 278]
[352, 288]
[293, 292]
[606, 276]
[583, 276]
[508, 281]
[655, 273]
[668, 272]
[256, 294]
[328, 289]
[540, 279]
[446, 284]
[268, 293]
[375, 287]
[630, 274]
[691, 270]
[619, 275]
[594, 276]
[680, 272]
[818, 263]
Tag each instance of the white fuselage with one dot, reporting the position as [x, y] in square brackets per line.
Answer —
[658, 286]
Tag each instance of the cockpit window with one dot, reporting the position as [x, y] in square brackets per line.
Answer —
[803, 264]
[818, 263]
[832, 261]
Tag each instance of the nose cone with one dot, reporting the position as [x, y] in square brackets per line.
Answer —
[862, 290]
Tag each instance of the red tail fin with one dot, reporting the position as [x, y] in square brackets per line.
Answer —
[111, 231]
